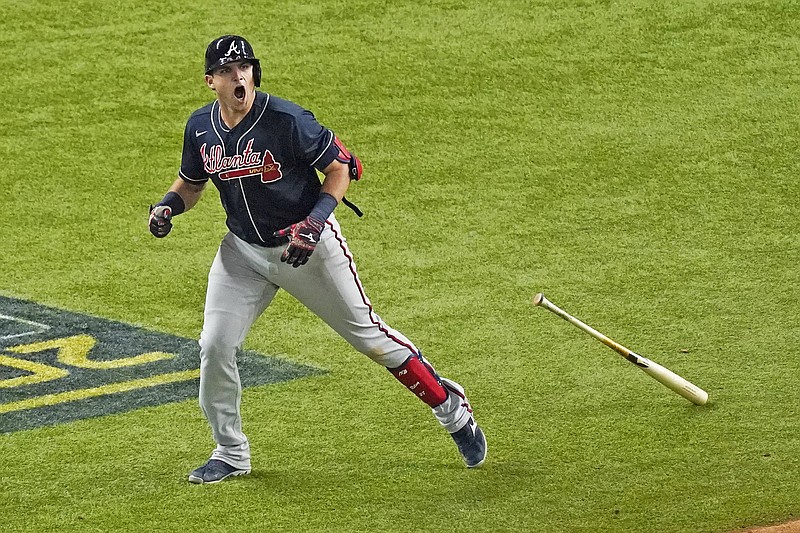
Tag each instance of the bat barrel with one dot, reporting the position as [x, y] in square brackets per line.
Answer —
[674, 382]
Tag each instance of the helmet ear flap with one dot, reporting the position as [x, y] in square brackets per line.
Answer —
[257, 73]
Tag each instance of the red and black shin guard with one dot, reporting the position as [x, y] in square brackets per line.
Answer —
[419, 377]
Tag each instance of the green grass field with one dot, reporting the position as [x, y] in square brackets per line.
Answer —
[636, 161]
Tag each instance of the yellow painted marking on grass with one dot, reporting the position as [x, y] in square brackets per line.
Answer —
[74, 351]
[112, 388]
[40, 372]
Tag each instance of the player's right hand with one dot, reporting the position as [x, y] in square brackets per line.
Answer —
[160, 220]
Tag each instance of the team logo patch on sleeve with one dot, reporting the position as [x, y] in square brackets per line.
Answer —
[57, 366]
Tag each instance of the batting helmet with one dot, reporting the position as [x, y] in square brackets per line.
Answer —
[230, 48]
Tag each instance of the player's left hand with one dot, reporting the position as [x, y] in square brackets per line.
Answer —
[304, 236]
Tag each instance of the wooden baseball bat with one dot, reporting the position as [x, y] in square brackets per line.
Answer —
[666, 377]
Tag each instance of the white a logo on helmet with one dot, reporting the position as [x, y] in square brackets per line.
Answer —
[233, 50]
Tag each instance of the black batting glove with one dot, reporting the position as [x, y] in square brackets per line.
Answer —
[304, 236]
[160, 220]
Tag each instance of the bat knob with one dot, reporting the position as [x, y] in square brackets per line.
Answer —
[538, 299]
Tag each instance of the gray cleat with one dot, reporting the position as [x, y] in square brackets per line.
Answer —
[471, 444]
[215, 471]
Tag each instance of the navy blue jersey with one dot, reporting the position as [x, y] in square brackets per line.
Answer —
[264, 167]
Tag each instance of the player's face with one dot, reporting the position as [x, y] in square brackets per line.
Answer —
[234, 85]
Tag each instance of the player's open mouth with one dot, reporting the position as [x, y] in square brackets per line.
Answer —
[239, 93]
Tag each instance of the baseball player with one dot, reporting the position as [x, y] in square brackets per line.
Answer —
[262, 153]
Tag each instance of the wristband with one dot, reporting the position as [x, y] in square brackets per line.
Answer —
[324, 207]
[174, 201]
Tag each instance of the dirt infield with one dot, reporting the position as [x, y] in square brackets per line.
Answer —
[788, 527]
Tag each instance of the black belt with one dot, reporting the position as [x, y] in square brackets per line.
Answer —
[273, 242]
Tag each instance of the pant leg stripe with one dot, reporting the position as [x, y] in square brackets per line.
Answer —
[372, 316]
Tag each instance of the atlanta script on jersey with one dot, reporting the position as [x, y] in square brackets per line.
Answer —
[264, 167]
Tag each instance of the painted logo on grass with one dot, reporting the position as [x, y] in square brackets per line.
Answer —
[57, 366]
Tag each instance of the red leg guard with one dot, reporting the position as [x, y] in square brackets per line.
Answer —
[419, 378]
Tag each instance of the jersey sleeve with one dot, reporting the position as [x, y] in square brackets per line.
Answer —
[313, 143]
[192, 169]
